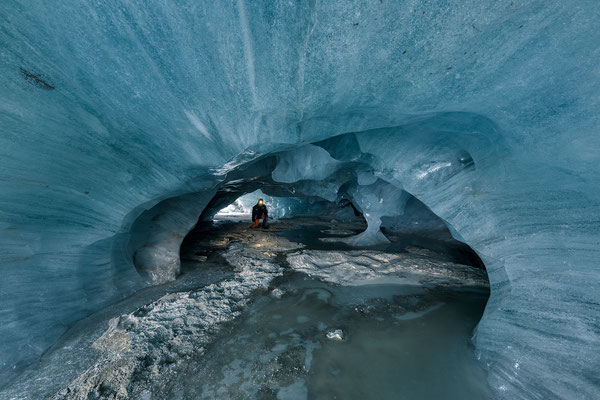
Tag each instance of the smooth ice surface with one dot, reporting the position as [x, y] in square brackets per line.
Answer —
[306, 162]
[487, 112]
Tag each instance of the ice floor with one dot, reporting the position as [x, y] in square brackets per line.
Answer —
[309, 339]
[344, 330]
[257, 315]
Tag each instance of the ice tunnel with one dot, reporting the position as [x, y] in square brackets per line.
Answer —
[123, 124]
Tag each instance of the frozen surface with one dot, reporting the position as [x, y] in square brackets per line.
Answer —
[142, 350]
[487, 112]
[293, 347]
[364, 267]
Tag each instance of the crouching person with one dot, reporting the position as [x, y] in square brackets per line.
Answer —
[259, 211]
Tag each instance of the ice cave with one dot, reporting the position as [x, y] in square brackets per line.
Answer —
[430, 170]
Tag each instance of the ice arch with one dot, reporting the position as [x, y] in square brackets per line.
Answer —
[109, 110]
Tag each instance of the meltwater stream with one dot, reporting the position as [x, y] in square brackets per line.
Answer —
[316, 340]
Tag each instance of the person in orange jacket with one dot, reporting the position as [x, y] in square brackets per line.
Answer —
[259, 211]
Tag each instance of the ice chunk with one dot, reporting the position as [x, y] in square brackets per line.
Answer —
[336, 334]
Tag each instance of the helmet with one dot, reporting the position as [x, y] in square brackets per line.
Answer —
[260, 202]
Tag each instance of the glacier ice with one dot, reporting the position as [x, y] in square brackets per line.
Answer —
[336, 334]
[361, 267]
[122, 123]
[306, 162]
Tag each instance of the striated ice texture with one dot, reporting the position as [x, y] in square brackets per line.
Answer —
[122, 122]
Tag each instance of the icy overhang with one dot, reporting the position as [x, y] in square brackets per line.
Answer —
[148, 101]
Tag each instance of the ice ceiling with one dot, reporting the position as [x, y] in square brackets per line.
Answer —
[121, 120]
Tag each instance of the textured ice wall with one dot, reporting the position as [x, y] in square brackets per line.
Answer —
[109, 108]
[154, 239]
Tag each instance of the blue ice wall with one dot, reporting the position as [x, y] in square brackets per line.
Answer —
[109, 108]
